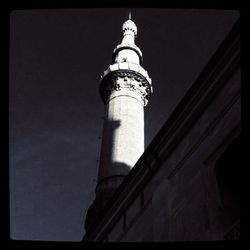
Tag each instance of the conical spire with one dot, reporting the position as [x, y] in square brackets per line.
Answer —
[129, 33]
[129, 28]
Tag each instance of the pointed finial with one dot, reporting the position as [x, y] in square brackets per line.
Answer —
[129, 16]
[129, 26]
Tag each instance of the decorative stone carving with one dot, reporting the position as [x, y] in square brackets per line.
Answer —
[120, 79]
[129, 25]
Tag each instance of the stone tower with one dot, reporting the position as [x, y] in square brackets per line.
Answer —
[125, 89]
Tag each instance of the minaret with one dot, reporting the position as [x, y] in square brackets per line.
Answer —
[125, 89]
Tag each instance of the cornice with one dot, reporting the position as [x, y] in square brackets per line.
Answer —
[134, 78]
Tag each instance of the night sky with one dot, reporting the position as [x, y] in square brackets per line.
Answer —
[55, 111]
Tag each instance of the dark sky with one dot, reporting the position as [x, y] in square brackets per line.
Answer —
[56, 58]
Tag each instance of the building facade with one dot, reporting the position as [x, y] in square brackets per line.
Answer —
[185, 187]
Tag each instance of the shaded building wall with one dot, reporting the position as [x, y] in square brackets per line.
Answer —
[183, 200]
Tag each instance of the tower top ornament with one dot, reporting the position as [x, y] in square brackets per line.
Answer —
[129, 33]
[129, 26]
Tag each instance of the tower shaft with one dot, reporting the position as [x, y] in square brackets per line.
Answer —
[123, 135]
[125, 89]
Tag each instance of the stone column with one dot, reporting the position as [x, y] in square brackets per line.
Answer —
[125, 89]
